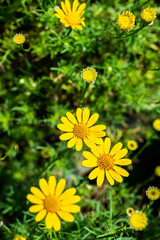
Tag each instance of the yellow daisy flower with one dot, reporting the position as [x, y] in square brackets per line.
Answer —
[19, 238]
[71, 17]
[19, 38]
[132, 145]
[148, 14]
[153, 193]
[129, 211]
[80, 128]
[156, 124]
[126, 20]
[157, 171]
[51, 202]
[106, 162]
[89, 74]
[46, 153]
[138, 220]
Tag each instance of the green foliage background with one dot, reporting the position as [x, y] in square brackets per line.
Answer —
[41, 81]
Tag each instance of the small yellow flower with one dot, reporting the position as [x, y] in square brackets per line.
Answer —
[148, 14]
[19, 238]
[106, 162]
[126, 20]
[89, 74]
[153, 193]
[81, 128]
[132, 145]
[71, 17]
[138, 220]
[52, 202]
[19, 38]
[46, 153]
[129, 211]
[156, 124]
[157, 171]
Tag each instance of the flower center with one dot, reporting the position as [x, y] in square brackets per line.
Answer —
[73, 18]
[153, 193]
[105, 162]
[81, 130]
[126, 20]
[51, 204]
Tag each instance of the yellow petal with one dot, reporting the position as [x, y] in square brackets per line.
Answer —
[81, 8]
[79, 144]
[89, 143]
[37, 192]
[68, 193]
[44, 186]
[66, 216]
[64, 128]
[95, 151]
[81, 14]
[66, 136]
[83, 23]
[93, 119]
[56, 223]
[121, 171]
[94, 173]
[116, 148]
[109, 178]
[70, 208]
[67, 122]
[72, 142]
[36, 208]
[79, 114]
[52, 184]
[121, 154]
[48, 220]
[41, 215]
[64, 7]
[123, 162]
[71, 200]
[68, 5]
[60, 12]
[75, 5]
[101, 149]
[57, 15]
[99, 134]
[97, 128]
[95, 139]
[71, 118]
[79, 27]
[107, 145]
[89, 163]
[100, 178]
[34, 199]
[115, 175]
[89, 155]
[85, 115]
[60, 187]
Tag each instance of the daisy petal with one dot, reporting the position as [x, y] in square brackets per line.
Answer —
[97, 128]
[68, 5]
[64, 7]
[67, 122]
[94, 173]
[75, 5]
[93, 119]
[66, 216]
[34, 199]
[66, 136]
[109, 178]
[72, 142]
[36, 208]
[60, 12]
[81, 8]
[121, 171]
[115, 175]
[64, 128]
[95, 151]
[95, 139]
[60, 187]
[89, 163]
[71, 200]
[85, 115]
[37, 192]
[68, 193]
[52, 184]
[99, 134]
[79, 27]
[71, 118]
[56, 223]
[123, 162]
[100, 178]
[79, 144]
[120, 154]
[89, 155]
[79, 114]
[48, 220]
[107, 145]
[89, 143]
[71, 208]
[44, 186]
[116, 148]
[57, 15]
[41, 215]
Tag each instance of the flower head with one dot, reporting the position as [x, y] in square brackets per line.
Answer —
[51, 202]
[126, 20]
[80, 128]
[46, 153]
[19, 238]
[157, 171]
[106, 162]
[89, 74]
[148, 14]
[153, 193]
[138, 220]
[129, 211]
[156, 124]
[19, 38]
[132, 145]
[71, 17]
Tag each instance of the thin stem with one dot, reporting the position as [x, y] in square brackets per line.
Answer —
[33, 230]
[148, 206]
[84, 93]
[141, 5]
[55, 234]
[136, 31]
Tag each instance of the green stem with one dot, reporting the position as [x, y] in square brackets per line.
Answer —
[55, 234]
[33, 230]
[148, 206]
[136, 31]
[141, 5]
[84, 93]
[124, 230]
